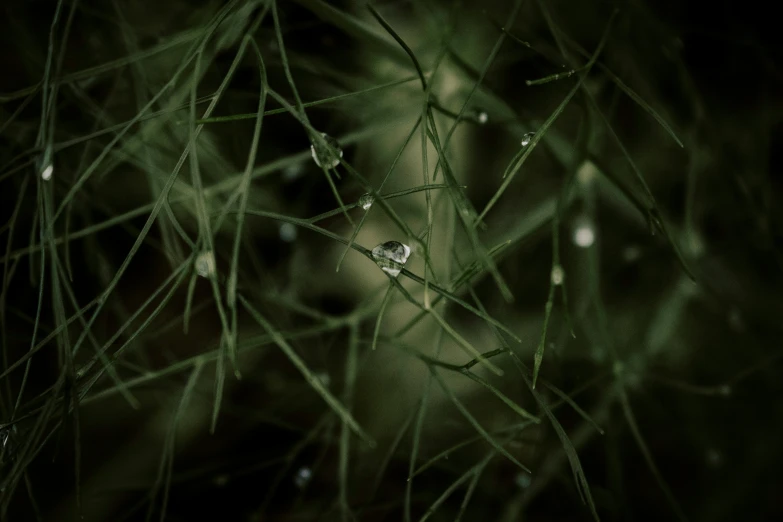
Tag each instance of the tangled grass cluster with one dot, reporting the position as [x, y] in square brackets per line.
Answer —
[308, 260]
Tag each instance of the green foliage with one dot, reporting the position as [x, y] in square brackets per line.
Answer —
[194, 325]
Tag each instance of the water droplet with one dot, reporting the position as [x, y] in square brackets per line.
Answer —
[328, 154]
[481, 116]
[46, 173]
[205, 264]
[584, 233]
[288, 232]
[9, 440]
[522, 480]
[526, 138]
[303, 476]
[558, 274]
[391, 256]
[366, 201]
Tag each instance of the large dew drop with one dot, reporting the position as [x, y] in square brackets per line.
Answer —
[526, 138]
[327, 156]
[366, 201]
[391, 256]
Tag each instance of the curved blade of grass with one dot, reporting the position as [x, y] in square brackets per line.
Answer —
[376, 194]
[206, 233]
[306, 224]
[345, 435]
[473, 422]
[471, 473]
[402, 43]
[167, 459]
[302, 115]
[573, 459]
[637, 435]
[390, 453]
[464, 344]
[175, 279]
[462, 279]
[472, 487]
[108, 367]
[76, 187]
[179, 39]
[391, 195]
[417, 431]
[355, 27]
[472, 440]
[244, 186]
[652, 211]
[309, 376]
[465, 211]
[386, 299]
[627, 90]
[305, 105]
[568, 400]
[552, 77]
[539, 355]
[548, 123]
[209, 356]
[503, 397]
[46, 340]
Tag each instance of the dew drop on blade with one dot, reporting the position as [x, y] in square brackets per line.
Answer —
[46, 173]
[558, 274]
[391, 256]
[481, 116]
[526, 138]
[205, 264]
[366, 201]
[327, 153]
[9, 439]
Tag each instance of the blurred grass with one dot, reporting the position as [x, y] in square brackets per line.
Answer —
[294, 379]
